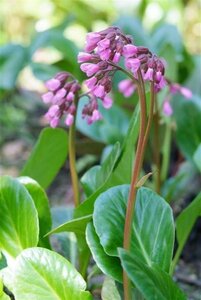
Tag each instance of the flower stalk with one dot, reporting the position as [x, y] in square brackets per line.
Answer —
[141, 146]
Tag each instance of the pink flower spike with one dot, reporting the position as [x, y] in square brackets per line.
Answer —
[47, 97]
[89, 69]
[99, 91]
[83, 57]
[70, 97]
[69, 120]
[53, 84]
[107, 102]
[90, 83]
[167, 109]
[162, 83]
[132, 64]
[186, 92]
[149, 74]
[129, 50]
[54, 122]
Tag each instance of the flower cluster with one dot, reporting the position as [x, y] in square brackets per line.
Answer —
[61, 95]
[103, 52]
[174, 88]
[102, 48]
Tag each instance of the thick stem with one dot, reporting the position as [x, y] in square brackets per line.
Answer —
[142, 141]
[72, 162]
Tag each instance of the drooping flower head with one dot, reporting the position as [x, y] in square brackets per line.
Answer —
[62, 90]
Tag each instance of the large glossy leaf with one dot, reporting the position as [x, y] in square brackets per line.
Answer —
[19, 227]
[188, 120]
[186, 220]
[47, 157]
[41, 203]
[41, 274]
[107, 264]
[152, 229]
[152, 282]
[109, 290]
[112, 128]
[120, 170]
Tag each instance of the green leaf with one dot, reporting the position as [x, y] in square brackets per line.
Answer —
[42, 274]
[152, 229]
[12, 59]
[107, 264]
[188, 119]
[42, 205]
[197, 157]
[109, 290]
[186, 220]
[19, 227]
[44, 71]
[152, 282]
[47, 157]
[120, 168]
[112, 128]
[96, 176]
[76, 225]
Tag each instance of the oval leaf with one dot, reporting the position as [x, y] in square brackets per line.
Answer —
[19, 227]
[47, 157]
[152, 230]
[107, 264]
[42, 205]
[41, 274]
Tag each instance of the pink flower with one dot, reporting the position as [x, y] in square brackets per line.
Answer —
[132, 64]
[69, 119]
[83, 57]
[126, 87]
[129, 50]
[89, 69]
[116, 57]
[107, 102]
[105, 54]
[54, 122]
[167, 109]
[96, 115]
[99, 91]
[103, 44]
[59, 95]
[70, 97]
[47, 97]
[186, 92]
[53, 111]
[149, 74]
[91, 41]
[53, 84]
[90, 83]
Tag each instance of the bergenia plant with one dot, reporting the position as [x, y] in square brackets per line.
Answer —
[124, 230]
